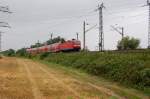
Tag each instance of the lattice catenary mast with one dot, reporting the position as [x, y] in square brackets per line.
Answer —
[148, 3]
[5, 10]
[101, 33]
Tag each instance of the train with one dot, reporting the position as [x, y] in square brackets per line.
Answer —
[67, 46]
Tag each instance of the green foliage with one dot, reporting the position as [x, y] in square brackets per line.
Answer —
[145, 76]
[55, 40]
[36, 45]
[43, 55]
[48, 42]
[21, 52]
[9, 52]
[113, 97]
[128, 68]
[128, 43]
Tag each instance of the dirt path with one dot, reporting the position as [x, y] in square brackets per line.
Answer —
[37, 94]
[101, 89]
[60, 82]
[25, 79]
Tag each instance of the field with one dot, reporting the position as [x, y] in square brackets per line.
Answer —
[27, 79]
[129, 68]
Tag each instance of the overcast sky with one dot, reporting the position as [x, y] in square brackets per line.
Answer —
[34, 20]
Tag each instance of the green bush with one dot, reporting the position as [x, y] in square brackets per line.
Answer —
[145, 76]
[9, 52]
[128, 43]
[21, 52]
[44, 55]
[129, 68]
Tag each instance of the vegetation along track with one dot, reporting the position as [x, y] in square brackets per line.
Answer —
[25, 79]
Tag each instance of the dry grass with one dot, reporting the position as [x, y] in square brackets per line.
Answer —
[25, 79]
[104, 86]
[14, 83]
[55, 85]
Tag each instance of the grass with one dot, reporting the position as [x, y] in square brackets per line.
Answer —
[14, 84]
[1, 56]
[54, 82]
[81, 75]
[113, 97]
[128, 68]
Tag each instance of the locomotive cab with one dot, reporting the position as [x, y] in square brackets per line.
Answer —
[76, 44]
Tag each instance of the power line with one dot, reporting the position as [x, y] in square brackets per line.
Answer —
[4, 24]
[70, 20]
[5, 9]
[90, 13]
[121, 31]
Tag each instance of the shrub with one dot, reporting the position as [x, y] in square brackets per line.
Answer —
[9, 52]
[43, 55]
[21, 52]
[128, 43]
[129, 68]
[145, 76]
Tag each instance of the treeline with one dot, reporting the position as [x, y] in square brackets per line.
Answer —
[48, 42]
[9, 52]
[12, 53]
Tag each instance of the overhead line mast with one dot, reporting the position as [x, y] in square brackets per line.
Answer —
[0, 41]
[148, 3]
[84, 34]
[77, 35]
[101, 33]
[3, 24]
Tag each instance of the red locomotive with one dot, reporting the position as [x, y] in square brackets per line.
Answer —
[70, 45]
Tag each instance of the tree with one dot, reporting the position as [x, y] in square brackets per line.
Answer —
[36, 45]
[55, 40]
[9, 52]
[21, 52]
[128, 43]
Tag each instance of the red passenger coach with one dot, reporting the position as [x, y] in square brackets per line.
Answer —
[70, 45]
[54, 47]
[32, 51]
